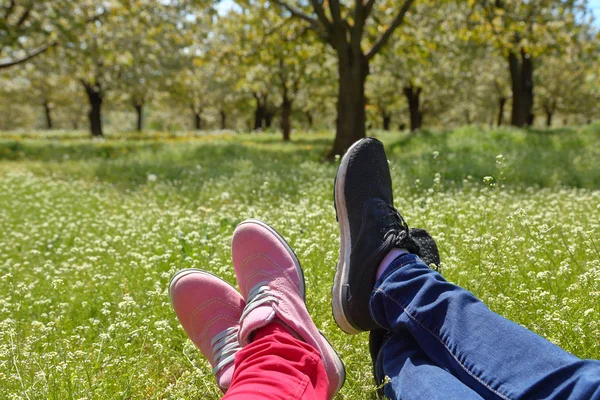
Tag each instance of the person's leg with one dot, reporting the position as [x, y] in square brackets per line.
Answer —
[492, 355]
[401, 368]
[272, 283]
[274, 365]
[413, 375]
[277, 366]
[495, 357]
[410, 373]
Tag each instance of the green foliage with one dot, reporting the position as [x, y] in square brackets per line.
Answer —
[180, 59]
[93, 230]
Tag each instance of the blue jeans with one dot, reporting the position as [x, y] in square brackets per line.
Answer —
[446, 344]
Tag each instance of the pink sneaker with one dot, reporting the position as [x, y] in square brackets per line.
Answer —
[271, 280]
[209, 310]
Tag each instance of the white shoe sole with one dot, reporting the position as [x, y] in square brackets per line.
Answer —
[343, 265]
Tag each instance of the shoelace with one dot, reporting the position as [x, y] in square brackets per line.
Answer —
[225, 344]
[396, 229]
[259, 295]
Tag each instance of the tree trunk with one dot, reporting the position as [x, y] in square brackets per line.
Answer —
[48, 113]
[223, 119]
[413, 96]
[95, 115]
[387, 120]
[353, 69]
[549, 115]
[309, 118]
[259, 116]
[139, 110]
[521, 75]
[198, 120]
[501, 103]
[286, 112]
[268, 118]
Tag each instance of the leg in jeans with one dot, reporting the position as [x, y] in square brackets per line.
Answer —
[413, 375]
[275, 366]
[492, 355]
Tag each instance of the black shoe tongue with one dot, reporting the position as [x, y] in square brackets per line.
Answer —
[428, 250]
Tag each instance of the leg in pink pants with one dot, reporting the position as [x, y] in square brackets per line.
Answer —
[277, 366]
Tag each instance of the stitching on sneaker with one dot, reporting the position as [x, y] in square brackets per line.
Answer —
[204, 334]
[269, 260]
[204, 305]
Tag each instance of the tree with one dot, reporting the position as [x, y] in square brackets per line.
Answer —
[100, 54]
[317, 95]
[93, 53]
[225, 96]
[191, 87]
[383, 91]
[523, 30]
[423, 64]
[154, 46]
[27, 29]
[291, 52]
[356, 39]
[562, 78]
[45, 83]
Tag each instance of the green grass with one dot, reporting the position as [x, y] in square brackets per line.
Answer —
[89, 241]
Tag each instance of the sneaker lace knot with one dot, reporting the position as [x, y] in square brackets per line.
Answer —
[225, 345]
[259, 295]
[395, 228]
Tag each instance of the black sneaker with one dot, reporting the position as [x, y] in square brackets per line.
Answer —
[370, 227]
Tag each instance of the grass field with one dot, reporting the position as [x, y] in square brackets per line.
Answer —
[91, 232]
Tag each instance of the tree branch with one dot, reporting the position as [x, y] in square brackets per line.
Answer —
[368, 8]
[318, 6]
[26, 58]
[9, 9]
[361, 13]
[297, 13]
[24, 17]
[336, 13]
[386, 35]
[95, 17]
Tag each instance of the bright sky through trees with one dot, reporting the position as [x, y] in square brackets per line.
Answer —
[594, 6]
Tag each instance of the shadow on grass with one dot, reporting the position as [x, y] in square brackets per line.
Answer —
[240, 169]
[297, 140]
[561, 157]
[49, 151]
